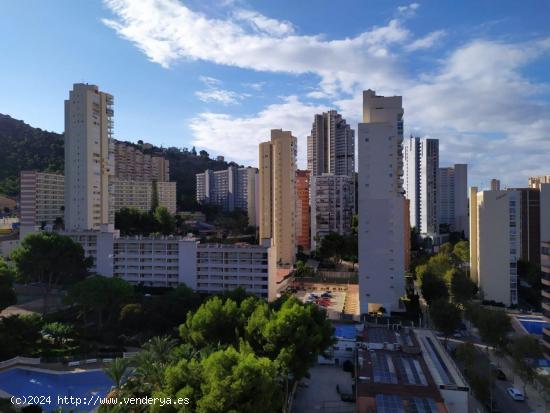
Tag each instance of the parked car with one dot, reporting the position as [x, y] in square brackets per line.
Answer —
[515, 394]
[326, 294]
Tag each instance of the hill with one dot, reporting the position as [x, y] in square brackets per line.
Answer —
[24, 147]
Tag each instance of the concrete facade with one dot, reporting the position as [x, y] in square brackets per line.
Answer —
[132, 164]
[139, 194]
[332, 206]
[545, 260]
[495, 243]
[42, 198]
[421, 167]
[278, 195]
[331, 145]
[381, 203]
[171, 261]
[89, 158]
[231, 188]
[452, 195]
[303, 216]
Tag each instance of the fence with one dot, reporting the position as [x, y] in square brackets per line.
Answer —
[19, 360]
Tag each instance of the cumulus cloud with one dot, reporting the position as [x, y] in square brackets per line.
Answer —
[214, 93]
[238, 137]
[426, 42]
[476, 98]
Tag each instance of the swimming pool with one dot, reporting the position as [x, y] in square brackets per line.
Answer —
[25, 382]
[533, 325]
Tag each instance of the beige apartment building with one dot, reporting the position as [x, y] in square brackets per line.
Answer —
[278, 195]
[139, 194]
[495, 243]
[89, 158]
[132, 164]
[42, 199]
[537, 181]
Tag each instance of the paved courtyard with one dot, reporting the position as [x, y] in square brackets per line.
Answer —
[321, 396]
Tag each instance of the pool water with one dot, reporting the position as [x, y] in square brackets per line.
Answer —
[23, 383]
[533, 325]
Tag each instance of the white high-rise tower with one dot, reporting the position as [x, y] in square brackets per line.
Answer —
[89, 158]
[381, 203]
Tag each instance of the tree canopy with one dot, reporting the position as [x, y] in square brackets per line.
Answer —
[50, 259]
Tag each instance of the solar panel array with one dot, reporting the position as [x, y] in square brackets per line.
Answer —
[395, 404]
[389, 404]
[410, 370]
[440, 365]
[383, 369]
[422, 405]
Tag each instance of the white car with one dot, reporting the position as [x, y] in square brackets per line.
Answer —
[515, 394]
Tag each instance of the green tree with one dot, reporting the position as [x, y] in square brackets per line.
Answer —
[50, 259]
[293, 336]
[116, 370]
[433, 287]
[446, 316]
[466, 353]
[523, 349]
[155, 196]
[463, 289]
[461, 251]
[226, 381]
[165, 220]
[216, 321]
[59, 332]
[20, 335]
[7, 293]
[303, 270]
[494, 326]
[102, 295]
[332, 247]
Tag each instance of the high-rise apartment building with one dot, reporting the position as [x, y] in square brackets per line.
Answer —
[545, 261]
[495, 243]
[331, 145]
[421, 167]
[381, 203]
[303, 229]
[42, 199]
[332, 205]
[140, 194]
[132, 164]
[452, 198]
[529, 224]
[89, 158]
[231, 188]
[537, 181]
[278, 195]
[495, 184]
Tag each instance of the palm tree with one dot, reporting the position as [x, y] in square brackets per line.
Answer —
[116, 370]
[160, 349]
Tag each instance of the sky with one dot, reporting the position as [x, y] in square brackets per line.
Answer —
[218, 75]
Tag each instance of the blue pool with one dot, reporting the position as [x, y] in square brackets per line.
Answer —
[533, 325]
[23, 382]
[345, 331]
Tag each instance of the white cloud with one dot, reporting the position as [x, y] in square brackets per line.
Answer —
[408, 10]
[426, 42]
[210, 81]
[263, 24]
[238, 137]
[476, 99]
[226, 97]
[256, 85]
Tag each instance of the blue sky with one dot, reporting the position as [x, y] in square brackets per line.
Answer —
[220, 74]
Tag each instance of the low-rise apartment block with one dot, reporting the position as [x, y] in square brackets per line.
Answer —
[140, 194]
[132, 164]
[169, 261]
[42, 199]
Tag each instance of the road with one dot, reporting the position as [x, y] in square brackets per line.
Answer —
[501, 398]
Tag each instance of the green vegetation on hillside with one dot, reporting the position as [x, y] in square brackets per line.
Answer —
[27, 148]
